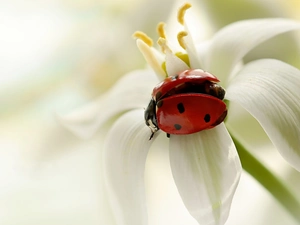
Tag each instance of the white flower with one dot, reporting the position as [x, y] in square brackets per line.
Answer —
[205, 165]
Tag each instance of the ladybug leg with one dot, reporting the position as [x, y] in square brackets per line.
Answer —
[151, 136]
[168, 135]
[150, 117]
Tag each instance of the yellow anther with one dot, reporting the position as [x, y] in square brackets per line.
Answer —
[161, 30]
[180, 38]
[144, 37]
[181, 12]
[163, 44]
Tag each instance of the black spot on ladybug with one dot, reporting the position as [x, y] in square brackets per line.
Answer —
[158, 95]
[160, 103]
[207, 118]
[175, 77]
[180, 108]
[177, 126]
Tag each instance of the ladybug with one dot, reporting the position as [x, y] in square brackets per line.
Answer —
[186, 103]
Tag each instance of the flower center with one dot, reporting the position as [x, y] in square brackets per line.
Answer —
[154, 58]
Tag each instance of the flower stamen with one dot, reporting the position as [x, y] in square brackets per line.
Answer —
[161, 30]
[151, 58]
[180, 38]
[144, 37]
[163, 44]
[181, 12]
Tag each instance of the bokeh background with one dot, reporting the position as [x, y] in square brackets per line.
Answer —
[58, 55]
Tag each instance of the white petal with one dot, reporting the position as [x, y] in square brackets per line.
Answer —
[125, 152]
[152, 57]
[206, 170]
[174, 65]
[269, 90]
[130, 92]
[194, 58]
[233, 42]
[202, 49]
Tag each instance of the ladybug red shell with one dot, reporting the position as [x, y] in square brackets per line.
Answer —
[196, 76]
[186, 103]
[189, 113]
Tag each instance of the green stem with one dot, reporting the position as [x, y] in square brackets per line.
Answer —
[267, 179]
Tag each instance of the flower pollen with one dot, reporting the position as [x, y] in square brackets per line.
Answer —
[181, 12]
[153, 58]
[144, 37]
[161, 30]
[163, 44]
[180, 38]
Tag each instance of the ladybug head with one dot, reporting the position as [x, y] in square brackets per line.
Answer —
[216, 90]
[150, 117]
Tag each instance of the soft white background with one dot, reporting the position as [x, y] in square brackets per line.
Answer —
[57, 55]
